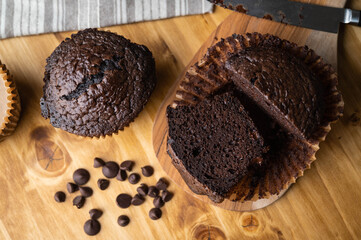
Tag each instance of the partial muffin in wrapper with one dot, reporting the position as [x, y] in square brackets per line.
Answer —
[96, 83]
[289, 93]
[10, 106]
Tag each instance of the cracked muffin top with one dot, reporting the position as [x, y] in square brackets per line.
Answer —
[96, 83]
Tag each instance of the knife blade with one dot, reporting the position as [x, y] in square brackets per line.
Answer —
[322, 18]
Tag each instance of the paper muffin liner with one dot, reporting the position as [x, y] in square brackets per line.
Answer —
[13, 107]
[208, 75]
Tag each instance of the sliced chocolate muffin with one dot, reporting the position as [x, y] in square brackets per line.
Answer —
[290, 94]
[216, 141]
[96, 83]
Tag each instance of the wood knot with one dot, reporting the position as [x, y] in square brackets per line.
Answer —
[49, 155]
[204, 232]
[355, 119]
[250, 223]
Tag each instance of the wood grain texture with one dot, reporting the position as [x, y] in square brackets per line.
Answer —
[323, 204]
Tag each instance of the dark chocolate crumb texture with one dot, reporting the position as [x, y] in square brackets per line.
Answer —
[249, 116]
[96, 83]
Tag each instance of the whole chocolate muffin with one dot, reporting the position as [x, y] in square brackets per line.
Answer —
[96, 83]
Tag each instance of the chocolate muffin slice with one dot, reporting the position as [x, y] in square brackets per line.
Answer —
[288, 87]
[213, 143]
[96, 83]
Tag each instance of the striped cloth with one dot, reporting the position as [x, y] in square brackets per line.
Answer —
[27, 17]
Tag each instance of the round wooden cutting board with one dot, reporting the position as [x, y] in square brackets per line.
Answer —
[325, 45]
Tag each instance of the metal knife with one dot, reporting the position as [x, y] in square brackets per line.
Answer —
[305, 15]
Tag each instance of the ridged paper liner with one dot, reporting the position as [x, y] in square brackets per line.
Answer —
[13, 108]
[208, 75]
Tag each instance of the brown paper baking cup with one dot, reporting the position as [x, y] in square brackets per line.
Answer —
[208, 75]
[10, 107]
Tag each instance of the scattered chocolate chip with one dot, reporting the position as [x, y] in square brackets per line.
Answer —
[158, 202]
[60, 196]
[103, 183]
[162, 184]
[134, 178]
[81, 176]
[127, 165]
[72, 187]
[143, 189]
[124, 200]
[123, 220]
[110, 169]
[79, 201]
[155, 213]
[147, 171]
[137, 200]
[95, 213]
[153, 192]
[98, 162]
[86, 191]
[122, 175]
[92, 227]
[167, 196]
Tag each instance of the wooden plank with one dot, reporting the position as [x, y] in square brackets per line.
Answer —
[323, 204]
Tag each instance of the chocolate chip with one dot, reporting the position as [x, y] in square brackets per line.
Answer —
[72, 187]
[122, 175]
[98, 162]
[92, 227]
[137, 200]
[134, 178]
[153, 192]
[86, 191]
[95, 213]
[124, 200]
[60, 196]
[123, 220]
[143, 189]
[155, 213]
[162, 184]
[158, 202]
[81, 176]
[110, 169]
[103, 183]
[147, 171]
[127, 165]
[79, 201]
[167, 196]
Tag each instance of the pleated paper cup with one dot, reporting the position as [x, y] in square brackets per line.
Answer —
[10, 107]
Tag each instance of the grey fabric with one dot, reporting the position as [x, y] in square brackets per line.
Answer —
[26, 17]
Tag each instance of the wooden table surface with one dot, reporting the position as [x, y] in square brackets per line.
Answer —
[38, 160]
